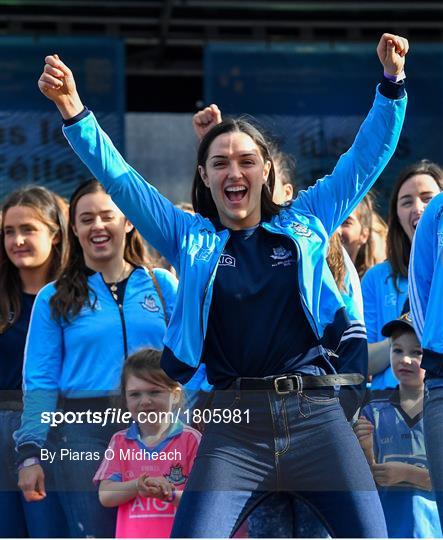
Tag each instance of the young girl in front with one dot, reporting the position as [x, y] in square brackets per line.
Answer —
[147, 490]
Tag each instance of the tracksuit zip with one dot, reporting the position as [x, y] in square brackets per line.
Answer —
[207, 285]
[122, 320]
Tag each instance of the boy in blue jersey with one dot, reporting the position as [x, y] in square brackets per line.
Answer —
[390, 432]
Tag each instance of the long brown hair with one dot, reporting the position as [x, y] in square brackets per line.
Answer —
[365, 258]
[145, 364]
[49, 210]
[202, 200]
[72, 288]
[336, 261]
[398, 245]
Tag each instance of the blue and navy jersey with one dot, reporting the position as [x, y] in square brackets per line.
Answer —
[194, 245]
[256, 302]
[410, 512]
[383, 302]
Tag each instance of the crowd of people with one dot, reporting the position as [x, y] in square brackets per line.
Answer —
[271, 362]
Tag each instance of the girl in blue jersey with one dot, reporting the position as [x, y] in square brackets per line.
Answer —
[258, 304]
[105, 305]
[32, 250]
[385, 286]
[390, 431]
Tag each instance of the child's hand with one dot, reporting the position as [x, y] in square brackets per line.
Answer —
[160, 488]
[364, 431]
[154, 486]
[391, 473]
[142, 489]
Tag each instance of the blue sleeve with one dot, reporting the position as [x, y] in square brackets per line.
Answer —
[168, 284]
[41, 371]
[335, 196]
[422, 264]
[158, 220]
[369, 289]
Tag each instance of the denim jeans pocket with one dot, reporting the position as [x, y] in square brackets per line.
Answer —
[320, 397]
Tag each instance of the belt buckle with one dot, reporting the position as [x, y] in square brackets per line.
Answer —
[291, 379]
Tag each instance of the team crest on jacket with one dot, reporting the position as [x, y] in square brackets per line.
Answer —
[149, 304]
[301, 229]
[280, 253]
[176, 475]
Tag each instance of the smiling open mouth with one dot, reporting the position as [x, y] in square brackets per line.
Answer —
[236, 193]
[99, 240]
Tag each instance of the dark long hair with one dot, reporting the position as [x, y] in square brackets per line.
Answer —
[50, 210]
[202, 200]
[398, 245]
[72, 289]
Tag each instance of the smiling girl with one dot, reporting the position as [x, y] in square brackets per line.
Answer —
[385, 285]
[32, 250]
[147, 490]
[258, 305]
[105, 305]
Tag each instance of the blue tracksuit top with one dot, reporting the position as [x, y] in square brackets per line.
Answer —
[426, 286]
[193, 244]
[382, 302]
[84, 358]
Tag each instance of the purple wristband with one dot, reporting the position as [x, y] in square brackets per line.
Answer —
[172, 497]
[28, 462]
[395, 78]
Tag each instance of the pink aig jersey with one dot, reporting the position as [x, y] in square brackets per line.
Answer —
[128, 457]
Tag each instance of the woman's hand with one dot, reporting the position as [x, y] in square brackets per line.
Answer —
[31, 480]
[205, 120]
[57, 84]
[391, 51]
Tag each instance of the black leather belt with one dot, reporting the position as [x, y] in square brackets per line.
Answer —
[285, 384]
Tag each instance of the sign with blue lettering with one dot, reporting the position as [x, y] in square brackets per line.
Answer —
[32, 147]
[313, 97]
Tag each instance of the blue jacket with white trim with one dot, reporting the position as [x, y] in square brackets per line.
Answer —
[84, 357]
[193, 244]
[426, 285]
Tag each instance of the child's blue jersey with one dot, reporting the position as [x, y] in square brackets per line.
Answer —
[410, 512]
[382, 302]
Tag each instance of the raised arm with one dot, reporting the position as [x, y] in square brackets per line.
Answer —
[334, 197]
[205, 120]
[157, 219]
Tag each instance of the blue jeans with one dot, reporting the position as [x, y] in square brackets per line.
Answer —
[42, 519]
[301, 444]
[283, 516]
[79, 496]
[433, 430]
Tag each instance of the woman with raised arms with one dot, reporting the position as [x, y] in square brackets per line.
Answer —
[258, 305]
